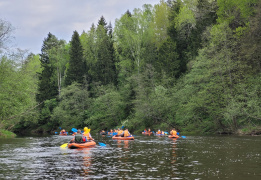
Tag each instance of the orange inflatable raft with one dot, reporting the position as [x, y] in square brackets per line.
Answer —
[63, 134]
[123, 138]
[147, 133]
[81, 145]
[173, 136]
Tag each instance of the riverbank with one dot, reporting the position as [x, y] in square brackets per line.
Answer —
[253, 131]
[6, 134]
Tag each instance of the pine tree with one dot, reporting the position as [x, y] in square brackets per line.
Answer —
[77, 66]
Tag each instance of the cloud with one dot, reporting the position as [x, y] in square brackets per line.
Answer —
[34, 19]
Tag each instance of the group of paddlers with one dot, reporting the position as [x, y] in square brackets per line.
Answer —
[119, 132]
[159, 132]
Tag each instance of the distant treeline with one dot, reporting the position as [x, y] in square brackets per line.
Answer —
[190, 64]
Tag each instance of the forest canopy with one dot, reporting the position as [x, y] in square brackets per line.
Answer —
[190, 64]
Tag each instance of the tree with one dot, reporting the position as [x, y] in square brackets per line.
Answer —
[5, 34]
[70, 112]
[47, 87]
[105, 70]
[77, 67]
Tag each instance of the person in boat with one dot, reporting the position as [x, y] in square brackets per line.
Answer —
[145, 131]
[111, 132]
[102, 132]
[159, 132]
[63, 132]
[149, 131]
[173, 132]
[74, 133]
[126, 133]
[120, 133]
[78, 138]
[87, 134]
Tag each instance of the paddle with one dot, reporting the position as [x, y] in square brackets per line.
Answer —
[74, 130]
[101, 144]
[64, 145]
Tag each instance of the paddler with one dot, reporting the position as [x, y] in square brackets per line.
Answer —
[159, 132]
[173, 132]
[87, 134]
[126, 133]
[78, 138]
[120, 132]
[63, 132]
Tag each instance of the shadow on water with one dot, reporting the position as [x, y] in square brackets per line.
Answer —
[146, 157]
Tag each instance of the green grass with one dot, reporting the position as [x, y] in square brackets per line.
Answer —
[6, 134]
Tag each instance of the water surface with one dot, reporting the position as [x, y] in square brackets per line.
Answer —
[147, 157]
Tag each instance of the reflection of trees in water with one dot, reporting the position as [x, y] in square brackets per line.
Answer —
[124, 158]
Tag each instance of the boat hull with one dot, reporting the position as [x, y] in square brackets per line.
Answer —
[123, 138]
[147, 133]
[81, 145]
[173, 136]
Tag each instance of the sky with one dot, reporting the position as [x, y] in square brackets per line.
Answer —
[34, 19]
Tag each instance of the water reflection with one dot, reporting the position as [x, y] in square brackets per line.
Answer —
[174, 155]
[86, 161]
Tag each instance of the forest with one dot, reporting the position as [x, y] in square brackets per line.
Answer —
[193, 65]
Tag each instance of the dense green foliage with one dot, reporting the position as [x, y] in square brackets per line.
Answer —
[192, 64]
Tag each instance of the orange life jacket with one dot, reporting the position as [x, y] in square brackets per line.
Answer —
[120, 131]
[173, 132]
[126, 133]
[159, 132]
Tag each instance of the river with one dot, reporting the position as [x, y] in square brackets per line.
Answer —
[146, 157]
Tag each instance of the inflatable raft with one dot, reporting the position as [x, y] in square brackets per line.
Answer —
[63, 134]
[147, 133]
[123, 138]
[173, 136]
[81, 145]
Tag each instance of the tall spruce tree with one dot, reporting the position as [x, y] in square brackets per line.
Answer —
[77, 66]
[47, 86]
[105, 67]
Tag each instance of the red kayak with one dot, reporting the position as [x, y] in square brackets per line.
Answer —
[123, 138]
[81, 145]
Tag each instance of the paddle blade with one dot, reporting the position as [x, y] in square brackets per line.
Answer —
[64, 145]
[183, 136]
[74, 130]
[101, 144]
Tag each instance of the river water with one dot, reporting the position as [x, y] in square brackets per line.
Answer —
[146, 157]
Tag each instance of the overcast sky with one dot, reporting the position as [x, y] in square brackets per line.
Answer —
[34, 19]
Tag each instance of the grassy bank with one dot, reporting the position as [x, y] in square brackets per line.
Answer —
[250, 131]
[6, 134]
